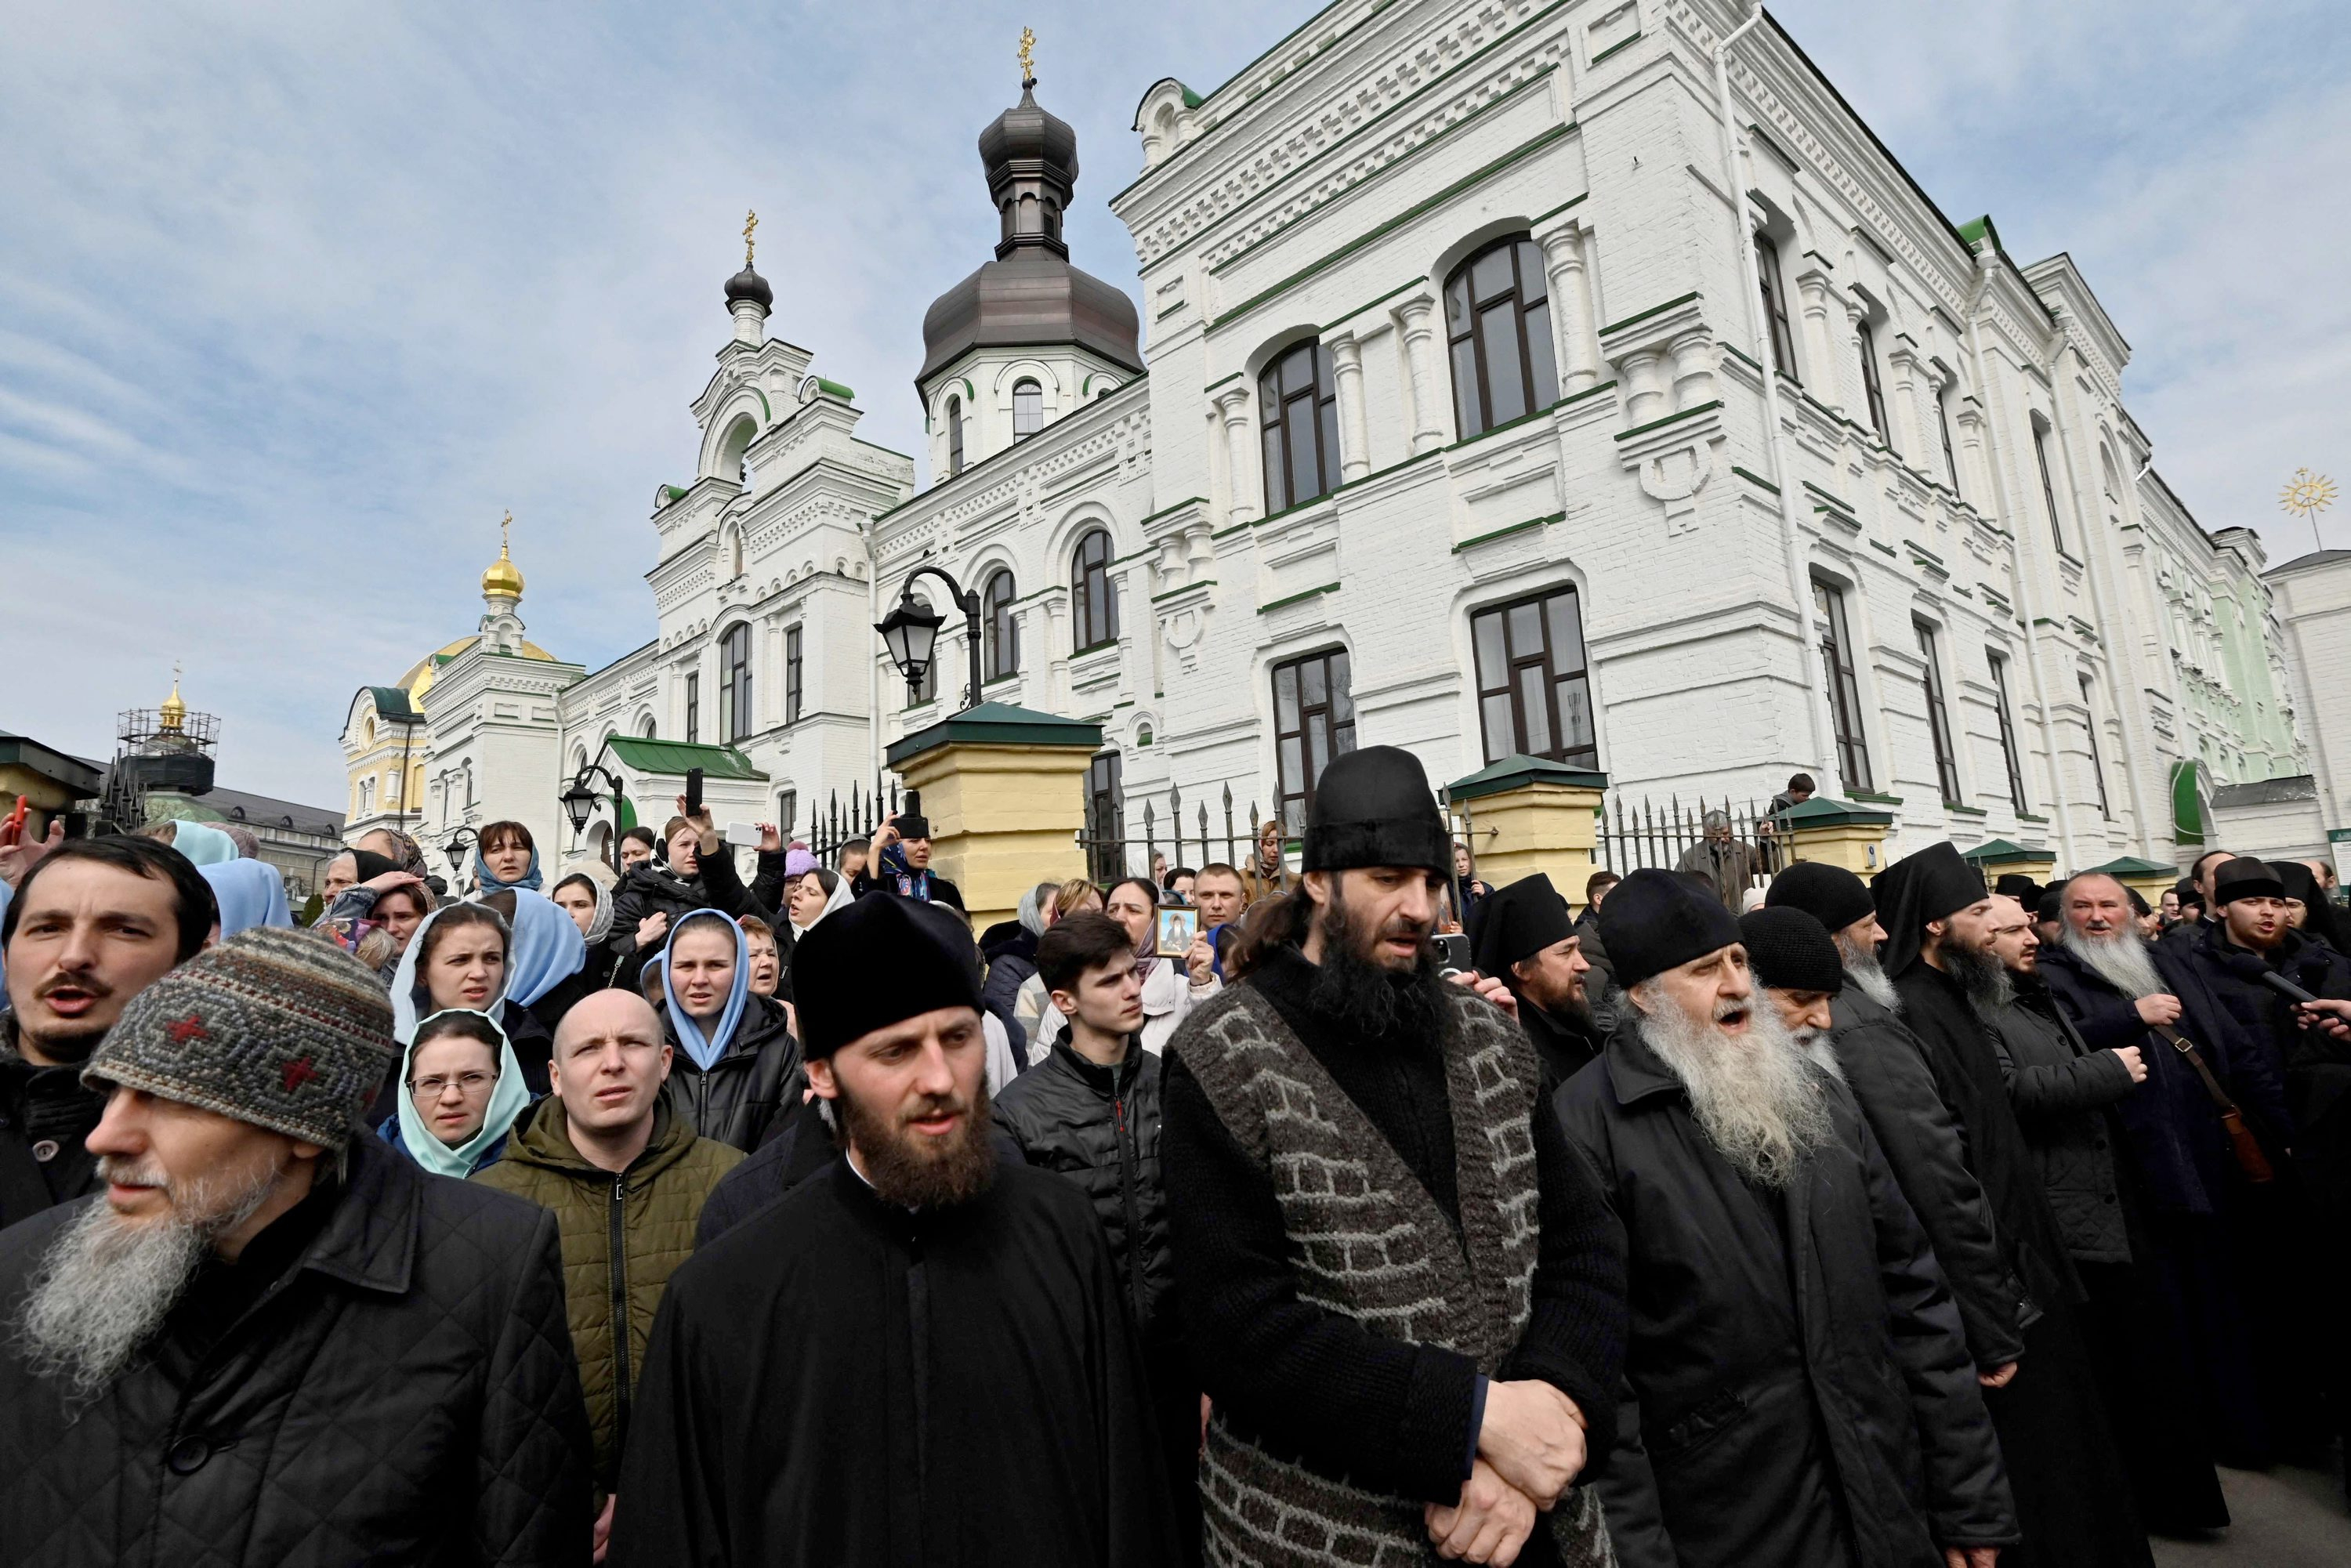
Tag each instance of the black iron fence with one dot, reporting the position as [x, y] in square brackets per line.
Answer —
[1194, 836]
[1670, 837]
[836, 822]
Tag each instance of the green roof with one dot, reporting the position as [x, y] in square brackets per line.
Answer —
[671, 759]
[392, 702]
[2000, 852]
[1977, 228]
[2130, 865]
[1517, 770]
[995, 724]
[834, 389]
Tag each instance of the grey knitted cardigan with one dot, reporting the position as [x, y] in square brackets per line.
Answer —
[1372, 1245]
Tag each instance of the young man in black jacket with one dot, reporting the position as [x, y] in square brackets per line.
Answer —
[1090, 1111]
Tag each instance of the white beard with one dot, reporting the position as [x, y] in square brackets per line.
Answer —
[2120, 959]
[1757, 1097]
[106, 1284]
[1814, 1044]
[1860, 968]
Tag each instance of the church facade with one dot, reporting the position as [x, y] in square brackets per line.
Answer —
[1486, 399]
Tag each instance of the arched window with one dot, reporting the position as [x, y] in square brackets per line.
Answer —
[735, 682]
[733, 545]
[955, 436]
[1002, 653]
[1299, 408]
[1028, 409]
[1093, 602]
[652, 729]
[1498, 325]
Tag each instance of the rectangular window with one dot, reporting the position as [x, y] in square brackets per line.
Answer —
[1535, 692]
[1938, 717]
[1943, 424]
[1775, 307]
[2048, 489]
[1844, 685]
[787, 810]
[2098, 767]
[734, 684]
[792, 676]
[1870, 385]
[2008, 733]
[693, 706]
[1314, 721]
[1105, 820]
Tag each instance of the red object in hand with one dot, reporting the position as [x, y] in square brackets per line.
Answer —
[13, 833]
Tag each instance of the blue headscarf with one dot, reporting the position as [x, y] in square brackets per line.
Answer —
[201, 845]
[689, 1033]
[901, 878]
[488, 883]
[544, 948]
[509, 1098]
[250, 893]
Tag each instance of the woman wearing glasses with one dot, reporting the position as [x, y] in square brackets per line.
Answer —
[461, 1093]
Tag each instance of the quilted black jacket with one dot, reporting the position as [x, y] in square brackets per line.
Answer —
[404, 1393]
[1100, 1127]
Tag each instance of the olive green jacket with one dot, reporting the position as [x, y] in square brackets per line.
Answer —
[622, 1236]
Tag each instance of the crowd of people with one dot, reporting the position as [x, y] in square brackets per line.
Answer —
[1344, 1208]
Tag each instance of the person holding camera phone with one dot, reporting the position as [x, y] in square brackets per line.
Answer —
[699, 874]
[900, 859]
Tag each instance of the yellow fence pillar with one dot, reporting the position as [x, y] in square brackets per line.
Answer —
[1837, 833]
[1527, 814]
[1004, 788]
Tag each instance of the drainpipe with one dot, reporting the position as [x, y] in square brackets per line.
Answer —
[873, 669]
[2059, 806]
[1791, 536]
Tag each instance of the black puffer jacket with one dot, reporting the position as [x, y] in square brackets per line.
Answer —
[44, 1114]
[405, 1393]
[1100, 1126]
[655, 889]
[1010, 950]
[737, 1096]
[2062, 1089]
[1886, 1068]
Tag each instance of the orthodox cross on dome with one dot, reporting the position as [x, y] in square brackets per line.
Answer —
[1027, 56]
[2305, 496]
[751, 225]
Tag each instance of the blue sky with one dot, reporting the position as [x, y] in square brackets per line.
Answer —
[295, 300]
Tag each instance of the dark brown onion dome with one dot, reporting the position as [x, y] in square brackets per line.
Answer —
[748, 285]
[1030, 296]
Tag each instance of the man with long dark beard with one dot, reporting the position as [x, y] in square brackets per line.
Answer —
[272, 1341]
[1525, 938]
[1885, 1067]
[2072, 1495]
[1802, 1396]
[916, 1355]
[1399, 1286]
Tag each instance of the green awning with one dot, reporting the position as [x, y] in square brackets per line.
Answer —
[2188, 824]
[671, 759]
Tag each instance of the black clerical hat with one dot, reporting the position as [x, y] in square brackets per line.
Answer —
[1829, 893]
[1518, 922]
[2246, 877]
[1653, 921]
[878, 961]
[1372, 808]
[1791, 951]
[1933, 885]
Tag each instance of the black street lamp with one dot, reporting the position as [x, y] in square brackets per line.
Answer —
[911, 632]
[580, 804]
[461, 838]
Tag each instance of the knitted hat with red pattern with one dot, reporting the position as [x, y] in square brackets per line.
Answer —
[275, 1027]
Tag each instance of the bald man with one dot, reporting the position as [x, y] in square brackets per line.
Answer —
[627, 1178]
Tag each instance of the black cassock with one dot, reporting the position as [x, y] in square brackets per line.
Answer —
[841, 1381]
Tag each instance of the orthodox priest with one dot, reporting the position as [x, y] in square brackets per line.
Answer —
[2072, 1496]
[917, 1356]
[1526, 939]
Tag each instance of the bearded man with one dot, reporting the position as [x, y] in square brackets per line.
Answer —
[1398, 1284]
[1525, 938]
[271, 1341]
[2072, 1495]
[1800, 1396]
[1885, 1066]
[916, 1355]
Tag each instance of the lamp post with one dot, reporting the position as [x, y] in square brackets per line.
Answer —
[461, 838]
[911, 631]
[580, 804]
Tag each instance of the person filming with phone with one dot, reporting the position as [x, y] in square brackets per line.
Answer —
[901, 862]
[699, 874]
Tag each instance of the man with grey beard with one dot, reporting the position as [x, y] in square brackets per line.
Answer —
[1774, 1271]
[269, 1341]
[1885, 1067]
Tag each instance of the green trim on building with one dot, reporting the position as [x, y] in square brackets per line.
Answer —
[1617, 48]
[1674, 303]
[1756, 479]
[1296, 597]
[1505, 533]
[1690, 413]
[1820, 811]
[834, 389]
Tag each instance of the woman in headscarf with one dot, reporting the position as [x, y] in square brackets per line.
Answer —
[584, 899]
[817, 894]
[201, 842]
[1172, 983]
[464, 956]
[547, 963]
[1010, 949]
[736, 1066]
[1267, 873]
[249, 892]
[504, 858]
[462, 1091]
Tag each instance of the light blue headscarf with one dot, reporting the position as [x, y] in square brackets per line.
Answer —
[203, 846]
[544, 949]
[488, 883]
[689, 1033]
[509, 1098]
[250, 893]
[406, 1012]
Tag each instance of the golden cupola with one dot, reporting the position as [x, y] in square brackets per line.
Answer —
[173, 716]
[504, 579]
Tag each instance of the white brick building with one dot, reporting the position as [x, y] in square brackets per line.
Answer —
[1471, 281]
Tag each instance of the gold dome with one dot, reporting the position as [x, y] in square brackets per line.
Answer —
[173, 713]
[504, 580]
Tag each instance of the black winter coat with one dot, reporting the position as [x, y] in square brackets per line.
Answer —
[2061, 1089]
[2316, 1068]
[405, 1393]
[737, 1098]
[44, 1114]
[655, 889]
[1010, 950]
[1100, 1127]
[1799, 1391]
[1886, 1068]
